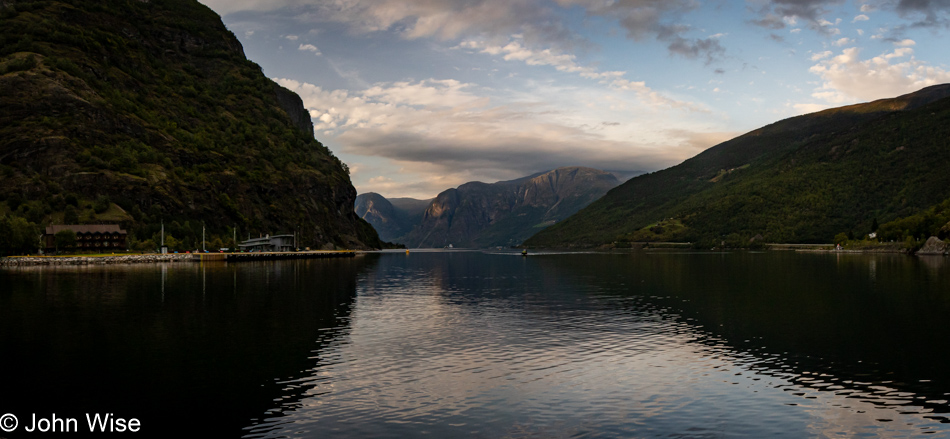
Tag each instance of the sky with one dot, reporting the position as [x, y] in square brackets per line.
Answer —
[418, 96]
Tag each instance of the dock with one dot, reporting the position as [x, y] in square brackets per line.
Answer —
[271, 256]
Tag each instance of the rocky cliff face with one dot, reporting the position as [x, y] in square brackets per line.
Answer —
[506, 213]
[293, 105]
[392, 218]
[141, 112]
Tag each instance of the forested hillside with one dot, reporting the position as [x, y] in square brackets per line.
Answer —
[800, 180]
[139, 112]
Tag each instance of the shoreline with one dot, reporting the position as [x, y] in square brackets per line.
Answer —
[15, 261]
[30, 261]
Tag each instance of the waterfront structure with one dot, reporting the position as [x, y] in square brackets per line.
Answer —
[89, 237]
[276, 243]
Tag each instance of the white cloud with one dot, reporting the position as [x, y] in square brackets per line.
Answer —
[847, 78]
[809, 108]
[821, 55]
[310, 48]
[515, 51]
[867, 7]
[861, 17]
[439, 127]
[905, 43]
[842, 42]
[291, 37]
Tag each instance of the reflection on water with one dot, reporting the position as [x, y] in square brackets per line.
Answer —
[167, 344]
[639, 344]
[642, 344]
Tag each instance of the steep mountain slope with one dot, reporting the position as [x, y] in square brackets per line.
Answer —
[392, 218]
[505, 213]
[143, 111]
[803, 179]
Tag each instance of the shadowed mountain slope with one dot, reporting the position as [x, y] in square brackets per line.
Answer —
[506, 213]
[392, 218]
[139, 112]
[803, 179]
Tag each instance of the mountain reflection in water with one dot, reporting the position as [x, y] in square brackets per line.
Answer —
[450, 344]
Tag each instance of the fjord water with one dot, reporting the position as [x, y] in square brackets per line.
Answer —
[471, 344]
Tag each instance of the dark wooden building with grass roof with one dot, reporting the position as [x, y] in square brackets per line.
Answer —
[89, 237]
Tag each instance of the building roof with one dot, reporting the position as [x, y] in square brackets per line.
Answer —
[267, 240]
[86, 228]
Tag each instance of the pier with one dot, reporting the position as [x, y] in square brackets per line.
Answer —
[271, 256]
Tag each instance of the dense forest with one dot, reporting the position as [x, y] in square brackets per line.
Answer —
[135, 113]
[800, 180]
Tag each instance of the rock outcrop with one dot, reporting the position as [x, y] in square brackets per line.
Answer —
[933, 246]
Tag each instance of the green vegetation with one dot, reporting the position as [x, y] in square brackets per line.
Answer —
[934, 221]
[662, 231]
[801, 180]
[18, 236]
[138, 112]
[65, 240]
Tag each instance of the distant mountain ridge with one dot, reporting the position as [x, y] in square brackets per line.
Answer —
[483, 215]
[392, 218]
[803, 179]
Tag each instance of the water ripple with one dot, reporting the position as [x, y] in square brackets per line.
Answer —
[450, 352]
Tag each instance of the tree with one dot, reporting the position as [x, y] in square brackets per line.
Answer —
[841, 238]
[102, 204]
[17, 236]
[65, 239]
[70, 215]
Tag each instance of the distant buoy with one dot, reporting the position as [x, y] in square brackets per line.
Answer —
[524, 252]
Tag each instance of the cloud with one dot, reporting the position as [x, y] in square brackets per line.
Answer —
[905, 43]
[660, 19]
[291, 37]
[444, 126]
[928, 13]
[777, 14]
[847, 78]
[842, 42]
[310, 48]
[515, 51]
[541, 23]
[821, 55]
[707, 49]
[810, 108]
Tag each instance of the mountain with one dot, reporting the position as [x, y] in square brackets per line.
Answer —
[139, 112]
[392, 218]
[800, 180]
[505, 213]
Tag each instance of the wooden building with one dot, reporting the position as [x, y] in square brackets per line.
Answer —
[89, 237]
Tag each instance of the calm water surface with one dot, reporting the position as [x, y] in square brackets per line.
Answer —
[469, 344]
